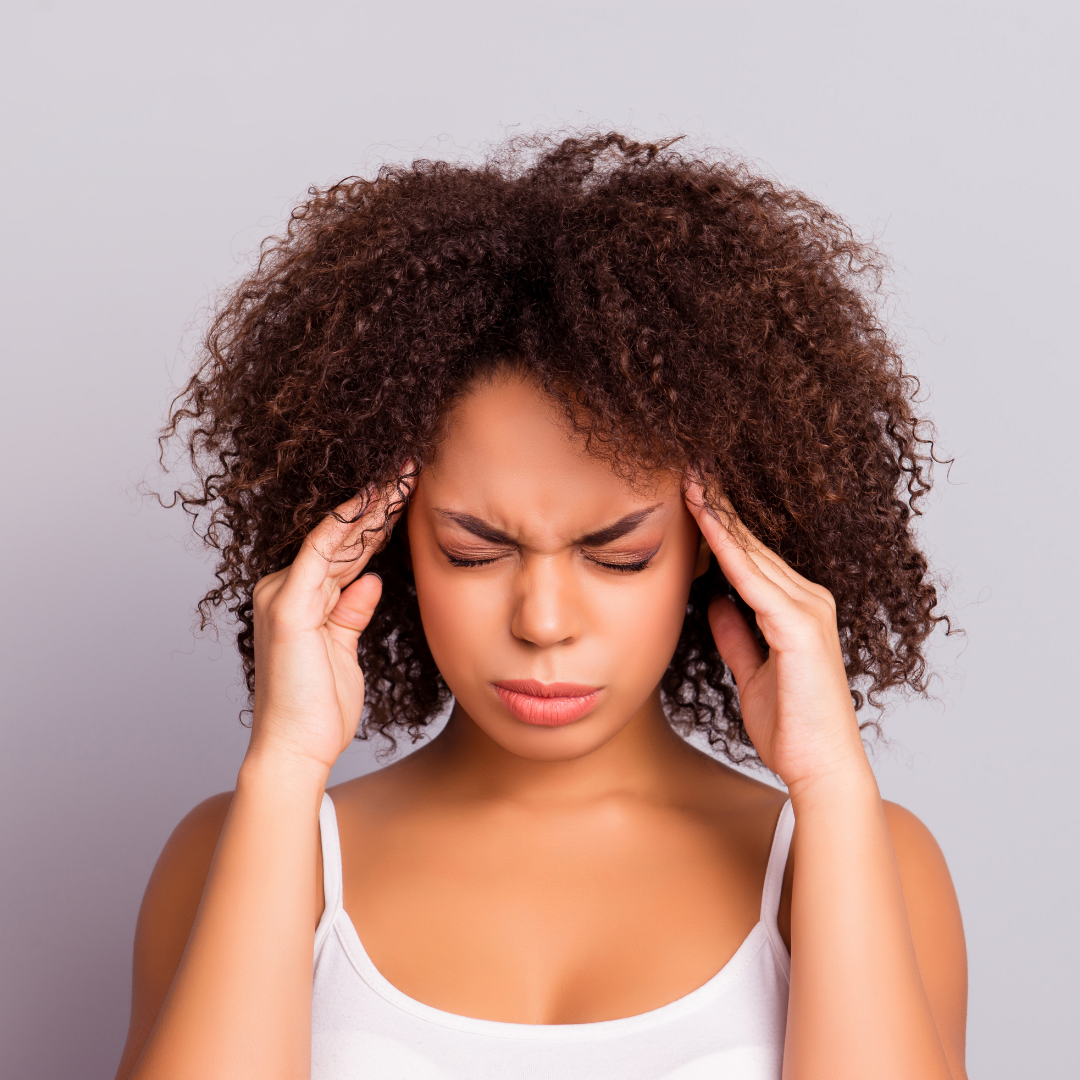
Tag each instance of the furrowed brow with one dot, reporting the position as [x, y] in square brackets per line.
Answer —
[617, 530]
[607, 535]
[477, 527]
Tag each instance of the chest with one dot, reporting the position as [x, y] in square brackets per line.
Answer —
[553, 919]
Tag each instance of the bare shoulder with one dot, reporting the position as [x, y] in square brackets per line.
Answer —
[925, 875]
[936, 926]
[176, 884]
[168, 911]
[909, 833]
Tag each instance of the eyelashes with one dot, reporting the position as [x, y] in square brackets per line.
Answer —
[625, 567]
[453, 560]
[634, 567]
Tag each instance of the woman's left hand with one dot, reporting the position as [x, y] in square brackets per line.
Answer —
[796, 704]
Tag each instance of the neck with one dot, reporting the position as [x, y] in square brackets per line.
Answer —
[645, 758]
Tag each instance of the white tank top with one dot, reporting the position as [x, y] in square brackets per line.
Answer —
[363, 1028]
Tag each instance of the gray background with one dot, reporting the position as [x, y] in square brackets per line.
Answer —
[148, 147]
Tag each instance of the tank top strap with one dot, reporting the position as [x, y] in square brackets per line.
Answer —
[331, 868]
[774, 882]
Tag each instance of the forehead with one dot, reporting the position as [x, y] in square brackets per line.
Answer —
[508, 455]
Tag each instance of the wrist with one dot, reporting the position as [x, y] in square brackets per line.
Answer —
[847, 779]
[267, 767]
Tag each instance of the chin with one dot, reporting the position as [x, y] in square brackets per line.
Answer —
[566, 742]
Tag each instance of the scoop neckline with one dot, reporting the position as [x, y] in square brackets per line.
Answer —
[346, 933]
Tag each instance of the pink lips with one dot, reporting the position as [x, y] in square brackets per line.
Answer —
[547, 704]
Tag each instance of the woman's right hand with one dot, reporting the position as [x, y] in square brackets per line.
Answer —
[210, 999]
[309, 689]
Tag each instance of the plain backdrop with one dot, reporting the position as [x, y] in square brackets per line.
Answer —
[147, 148]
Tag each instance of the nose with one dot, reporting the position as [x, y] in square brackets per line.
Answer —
[547, 608]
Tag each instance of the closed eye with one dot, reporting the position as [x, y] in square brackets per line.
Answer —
[461, 560]
[628, 566]
[454, 561]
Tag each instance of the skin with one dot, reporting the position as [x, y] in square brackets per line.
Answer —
[584, 872]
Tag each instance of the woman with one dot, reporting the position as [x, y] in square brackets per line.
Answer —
[634, 457]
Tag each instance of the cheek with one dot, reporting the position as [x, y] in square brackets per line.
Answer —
[643, 620]
[460, 612]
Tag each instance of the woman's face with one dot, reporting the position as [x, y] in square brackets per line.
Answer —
[552, 593]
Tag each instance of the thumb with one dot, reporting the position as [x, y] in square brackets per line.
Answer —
[735, 641]
[354, 609]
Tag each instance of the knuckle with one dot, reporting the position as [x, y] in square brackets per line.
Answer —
[267, 586]
[271, 607]
[261, 595]
[276, 618]
[816, 611]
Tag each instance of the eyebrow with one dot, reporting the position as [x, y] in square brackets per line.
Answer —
[607, 535]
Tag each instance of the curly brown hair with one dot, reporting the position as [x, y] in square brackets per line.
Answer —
[687, 313]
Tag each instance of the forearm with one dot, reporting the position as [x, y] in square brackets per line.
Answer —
[240, 1003]
[858, 1007]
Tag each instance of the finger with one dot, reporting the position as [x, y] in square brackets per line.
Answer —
[771, 562]
[367, 536]
[311, 566]
[722, 528]
[380, 514]
[354, 610]
[728, 525]
[341, 545]
[738, 563]
[735, 641]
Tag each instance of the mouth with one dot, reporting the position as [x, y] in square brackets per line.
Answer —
[547, 704]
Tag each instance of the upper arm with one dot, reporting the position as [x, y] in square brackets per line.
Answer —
[936, 928]
[167, 914]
